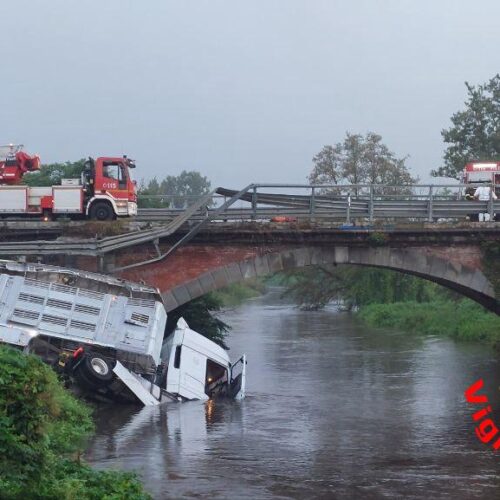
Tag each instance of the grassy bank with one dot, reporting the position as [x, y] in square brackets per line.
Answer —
[235, 294]
[462, 320]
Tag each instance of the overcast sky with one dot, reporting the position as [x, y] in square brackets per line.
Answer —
[241, 91]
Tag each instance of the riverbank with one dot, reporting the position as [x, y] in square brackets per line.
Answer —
[460, 320]
[43, 433]
[234, 295]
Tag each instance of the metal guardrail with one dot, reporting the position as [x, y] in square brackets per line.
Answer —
[104, 245]
[190, 234]
[425, 201]
[314, 202]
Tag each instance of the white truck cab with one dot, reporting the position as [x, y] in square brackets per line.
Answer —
[200, 369]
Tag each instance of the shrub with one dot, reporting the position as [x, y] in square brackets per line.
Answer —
[43, 430]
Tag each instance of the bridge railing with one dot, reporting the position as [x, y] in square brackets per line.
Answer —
[264, 201]
[339, 202]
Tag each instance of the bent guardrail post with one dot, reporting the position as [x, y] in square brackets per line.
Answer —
[430, 206]
[370, 205]
[490, 202]
[192, 233]
[254, 203]
[312, 203]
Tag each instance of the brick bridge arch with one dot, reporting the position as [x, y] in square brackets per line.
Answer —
[198, 269]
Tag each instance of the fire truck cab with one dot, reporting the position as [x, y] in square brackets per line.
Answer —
[108, 188]
[104, 191]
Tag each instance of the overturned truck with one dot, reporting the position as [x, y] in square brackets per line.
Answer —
[106, 337]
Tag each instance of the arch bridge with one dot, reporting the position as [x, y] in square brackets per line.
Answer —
[200, 250]
[465, 260]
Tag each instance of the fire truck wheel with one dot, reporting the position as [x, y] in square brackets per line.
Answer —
[101, 210]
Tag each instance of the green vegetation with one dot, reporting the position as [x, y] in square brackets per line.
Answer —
[51, 174]
[43, 431]
[359, 160]
[390, 299]
[475, 133]
[201, 315]
[462, 320]
[314, 287]
[172, 190]
[235, 294]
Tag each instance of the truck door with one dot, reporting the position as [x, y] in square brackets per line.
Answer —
[186, 373]
[114, 176]
[496, 181]
[238, 378]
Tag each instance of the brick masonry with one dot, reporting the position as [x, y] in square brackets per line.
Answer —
[196, 269]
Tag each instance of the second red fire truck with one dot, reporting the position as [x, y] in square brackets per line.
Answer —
[482, 172]
[104, 191]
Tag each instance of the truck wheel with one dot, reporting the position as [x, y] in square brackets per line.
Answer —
[99, 367]
[101, 210]
[94, 370]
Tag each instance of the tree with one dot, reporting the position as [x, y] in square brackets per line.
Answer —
[327, 166]
[50, 174]
[150, 195]
[200, 315]
[173, 190]
[475, 131]
[357, 159]
[314, 287]
[360, 160]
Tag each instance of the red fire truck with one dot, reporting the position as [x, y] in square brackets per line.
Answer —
[481, 172]
[104, 191]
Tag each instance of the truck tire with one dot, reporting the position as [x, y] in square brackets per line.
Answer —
[101, 210]
[94, 371]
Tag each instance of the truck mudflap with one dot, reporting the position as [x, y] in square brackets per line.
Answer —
[147, 393]
[237, 385]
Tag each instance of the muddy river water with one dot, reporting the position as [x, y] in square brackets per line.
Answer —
[334, 410]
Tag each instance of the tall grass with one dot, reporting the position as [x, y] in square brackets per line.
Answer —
[461, 320]
[235, 294]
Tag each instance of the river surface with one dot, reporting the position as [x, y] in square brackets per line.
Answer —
[334, 410]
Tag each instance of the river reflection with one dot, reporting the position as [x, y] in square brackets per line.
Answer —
[334, 410]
